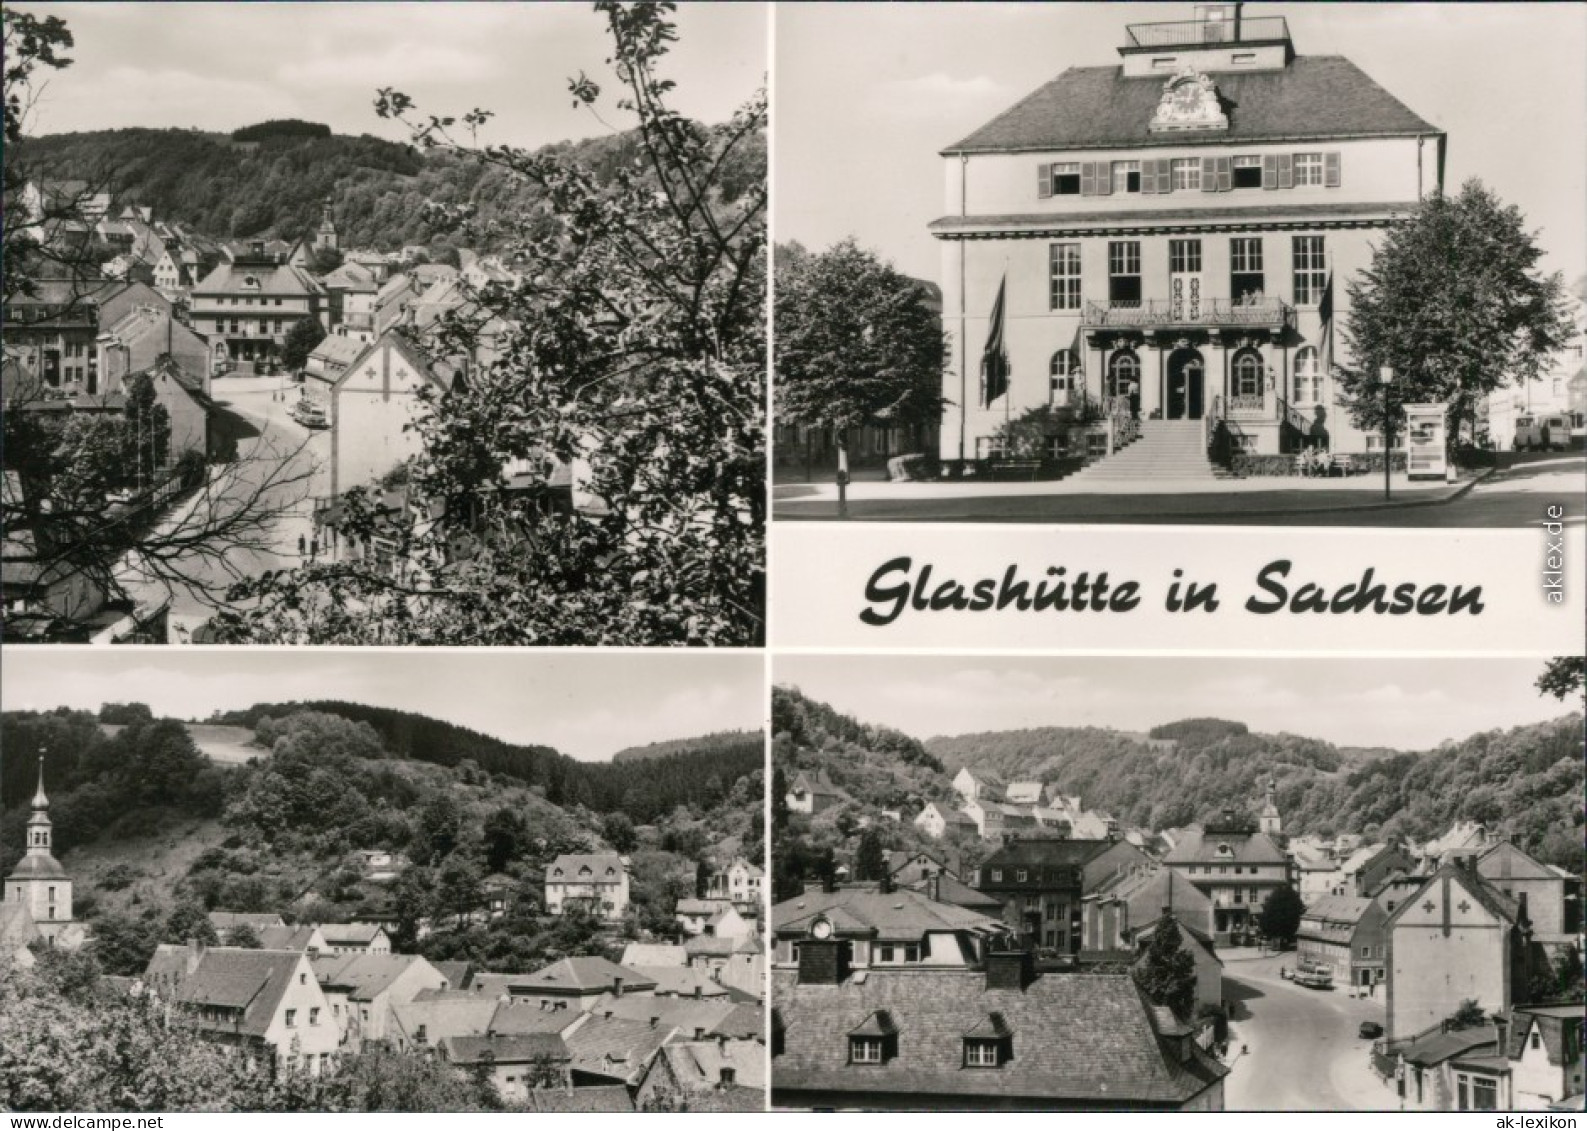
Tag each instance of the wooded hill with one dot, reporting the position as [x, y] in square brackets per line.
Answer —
[721, 741]
[275, 184]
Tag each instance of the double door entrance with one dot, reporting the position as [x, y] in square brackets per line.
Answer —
[1185, 382]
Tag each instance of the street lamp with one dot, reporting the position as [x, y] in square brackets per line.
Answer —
[1386, 377]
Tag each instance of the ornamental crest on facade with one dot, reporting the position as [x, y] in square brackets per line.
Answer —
[1189, 102]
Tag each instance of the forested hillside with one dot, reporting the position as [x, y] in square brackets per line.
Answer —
[721, 742]
[1528, 780]
[277, 185]
[700, 773]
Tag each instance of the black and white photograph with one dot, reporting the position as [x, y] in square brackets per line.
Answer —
[385, 324]
[1263, 264]
[1176, 884]
[266, 880]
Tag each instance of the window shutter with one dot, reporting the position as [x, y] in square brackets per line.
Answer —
[1209, 174]
[1044, 180]
[1148, 175]
[1104, 178]
[1225, 174]
[1165, 175]
[1269, 171]
[1088, 178]
[1286, 170]
[1331, 169]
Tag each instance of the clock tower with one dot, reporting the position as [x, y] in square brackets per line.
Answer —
[38, 882]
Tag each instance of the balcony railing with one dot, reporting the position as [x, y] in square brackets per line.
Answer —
[1190, 33]
[1206, 313]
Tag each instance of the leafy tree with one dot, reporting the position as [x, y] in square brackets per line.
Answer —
[458, 889]
[619, 832]
[123, 944]
[633, 348]
[440, 822]
[505, 838]
[1563, 677]
[1279, 919]
[1167, 974]
[1453, 301]
[412, 901]
[870, 861]
[189, 921]
[1468, 1015]
[856, 344]
[702, 879]
[243, 936]
[300, 341]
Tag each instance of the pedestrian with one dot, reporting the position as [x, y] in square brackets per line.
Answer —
[302, 545]
[314, 548]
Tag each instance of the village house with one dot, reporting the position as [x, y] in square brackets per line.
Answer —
[1365, 869]
[1171, 240]
[1234, 867]
[573, 983]
[370, 984]
[1544, 1047]
[993, 1037]
[741, 882]
[265, 1005]
[1040, 883]
[1194, 942]
[936, 820]
[978, 785]
[1458, 939]
[608, 1051]
[356, 938]
[54, 330]
[516, 1063]
[598, 882]
[324, 368]
[1345, 934]
[1115, 910]
[811, 793]
[249, 303]
[1553, 895]
[350, 300]
[881, 929]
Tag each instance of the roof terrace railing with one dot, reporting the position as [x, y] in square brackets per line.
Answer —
[1191, 33]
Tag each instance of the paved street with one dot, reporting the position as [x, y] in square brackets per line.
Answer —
[1510, 496]
[1304, 1053]
[269, 442]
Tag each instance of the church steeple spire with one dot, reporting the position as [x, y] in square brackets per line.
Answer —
[41, 802]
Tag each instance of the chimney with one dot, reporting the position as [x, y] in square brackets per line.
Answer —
[823, 962]
[1010, 969]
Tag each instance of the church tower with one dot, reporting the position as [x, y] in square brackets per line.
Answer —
[325, 236]
[1270, 822]
[38, 882]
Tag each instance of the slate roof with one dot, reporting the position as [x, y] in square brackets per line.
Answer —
[284, 938]
[1314, 98]
[1077, 1038]
[275, 279]
[253, 981]
[1197, 846]
[1147, 893]
[34, 867]
[361, 934]
[1039, 851]
[444, 1015]
[654, 954]
[1551, 1019]
[698, 1065]
[599, 1098]
[958, 893]
[226, 920]
[682, 981]
[1456, 1042]
[615, 1047]
[711, 1016]
[904, 915]
[529, 1017]
[596, 862]
[510, 1049]
[710, 946]
[584, 974]
[367, 976]
[338, 349]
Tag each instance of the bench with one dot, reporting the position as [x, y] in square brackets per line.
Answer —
[1013, 469]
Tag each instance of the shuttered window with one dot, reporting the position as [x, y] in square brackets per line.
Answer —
[1308, 169]
[1066, 178]
[1126, 176]
[1331, 177]
[1247, 172]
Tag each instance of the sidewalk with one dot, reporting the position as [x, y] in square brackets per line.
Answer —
[1179, 498]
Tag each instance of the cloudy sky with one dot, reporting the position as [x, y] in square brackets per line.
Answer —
[218, 66]
[867, 94]
[1405, 704]
[586, 704]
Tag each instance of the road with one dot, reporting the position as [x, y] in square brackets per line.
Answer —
[273, 449]
[1303, 1051]
[1517, 493]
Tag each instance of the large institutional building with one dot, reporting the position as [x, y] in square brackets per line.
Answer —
[1173, 235]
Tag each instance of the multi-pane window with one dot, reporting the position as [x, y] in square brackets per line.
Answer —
[1066, 178]
[1308, 376]
[1064, 276]
[1308, 169]
[865, 1050]
[980, 1054]
[1248, 373]
[1187, 172]
[1311, 272]
[1063, 372]
[1124, 271]
[1184, 256]
[1126, 176]
[1247, 279]
[1124, 374]
[292, 1019]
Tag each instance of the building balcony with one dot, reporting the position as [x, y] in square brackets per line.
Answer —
[1171, 314]
[1197, 33]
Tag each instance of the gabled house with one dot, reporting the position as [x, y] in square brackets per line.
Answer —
[1544, 1047]
[880, 929]
[812, 793]
[1235, 868]
[606, 1051]
[693, 915]
[1345, 933]
[709, 1075]
[1194, 942]
[517, 1064]
[356, 938]
[573, 983]
[1118, 908]
[373, 984]
[266, 1005]
[978, 785]
[596, 881]
[935, 820]
[1553, 895]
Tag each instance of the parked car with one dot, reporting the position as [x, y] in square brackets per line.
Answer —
[309, 414]
[1370, 1030]
[1544, 433]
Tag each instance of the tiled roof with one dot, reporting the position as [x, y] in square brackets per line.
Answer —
[518, 1048]
[360, 933]
[1314, 98]
[600, 1098]
[1040, 851]
[698, 1064]
[1336, 909]
[1078, 1038]
[1456, 1042]
[584, 973]
[654, 954]
[615, 1047]
[566, 867]
[366, 975]
[710, 946]
[226, 920]
[1200, 847]
[950, 890]
[712, 1016]
[444, 1015]
[339, 349]
[285, 938]
[275, 279]
[455, 973]
[682, 981]
[529, 1017]
[898, 914]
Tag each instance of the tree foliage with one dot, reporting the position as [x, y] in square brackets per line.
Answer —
[856, 343]
[1454, 302]
[306, 333]
[634, 349]
[1167, 974]
[1563, 677]
[1279, 918]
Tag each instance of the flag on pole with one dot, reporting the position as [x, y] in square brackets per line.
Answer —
[1325, 312]
[994, 358]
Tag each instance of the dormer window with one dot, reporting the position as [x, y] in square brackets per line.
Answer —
[865, 1050]
[981, 1054]
[1225, 850]
[990, 1043]
[875, 1041]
